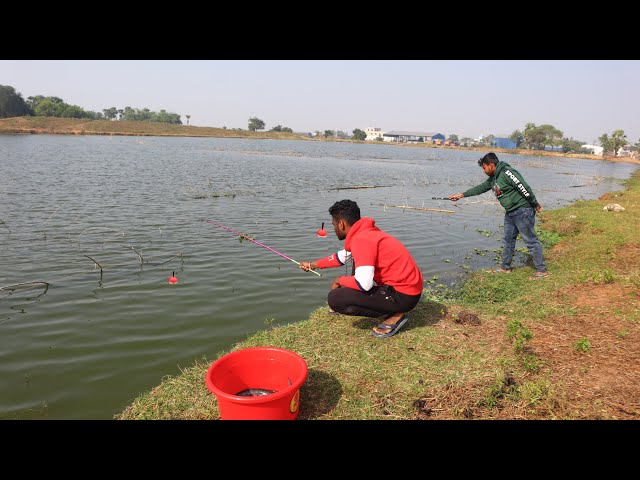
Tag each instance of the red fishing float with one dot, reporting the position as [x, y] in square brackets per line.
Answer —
[322, 232]
[173, 278]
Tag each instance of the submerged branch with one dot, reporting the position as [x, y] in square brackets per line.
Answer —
[157, 264]
[417, 208]
[130, 246]
[15, 285]
[359, 186]
[96, 264]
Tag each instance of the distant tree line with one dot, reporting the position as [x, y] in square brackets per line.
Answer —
[13, 105]
[535, 137]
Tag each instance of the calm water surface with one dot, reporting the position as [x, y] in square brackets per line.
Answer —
[91, 342]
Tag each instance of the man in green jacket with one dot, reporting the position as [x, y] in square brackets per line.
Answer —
[520, 206]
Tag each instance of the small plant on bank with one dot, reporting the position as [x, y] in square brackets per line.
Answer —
[531, 363]
[548, 239]
[504, 386]
[518, 334]
[583, 345]
[622, 333]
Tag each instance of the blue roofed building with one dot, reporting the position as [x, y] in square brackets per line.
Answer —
[503, 141]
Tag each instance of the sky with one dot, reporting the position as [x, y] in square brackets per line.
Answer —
[469, 98]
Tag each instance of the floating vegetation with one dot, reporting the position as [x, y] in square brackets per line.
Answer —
[486, 233]
[242, 237]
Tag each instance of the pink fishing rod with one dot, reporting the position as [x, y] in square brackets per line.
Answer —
[258, 243]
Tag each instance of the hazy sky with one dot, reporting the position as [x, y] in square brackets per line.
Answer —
[582, 98]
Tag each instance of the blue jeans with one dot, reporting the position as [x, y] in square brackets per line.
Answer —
[521, 220]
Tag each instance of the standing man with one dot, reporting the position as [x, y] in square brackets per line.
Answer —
[520, 206]
[377, 257]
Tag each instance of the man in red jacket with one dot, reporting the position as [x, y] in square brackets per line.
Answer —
[377, 257]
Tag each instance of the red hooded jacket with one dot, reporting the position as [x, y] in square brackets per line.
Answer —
[378, 257]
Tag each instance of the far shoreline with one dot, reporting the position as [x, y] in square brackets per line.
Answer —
[72, 126]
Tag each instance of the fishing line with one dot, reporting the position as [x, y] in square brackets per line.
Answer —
[258, 243]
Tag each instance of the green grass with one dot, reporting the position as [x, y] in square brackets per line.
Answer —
[435, 367]
[583, 345]
[74, 126]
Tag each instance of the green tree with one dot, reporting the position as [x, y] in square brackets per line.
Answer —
[34, 101]
[73, 111]
[550, 135]
[11, 103]
[453, 138]
[255, 124]
[48, 108]
[287, 129]
[605, 143]
[110, 113]
[277, 128]
[341, 135]
[529, 130]
[569, 145]
[329, 133]
[516, 137]
[359, 135]
[619, 140]
[188, 117]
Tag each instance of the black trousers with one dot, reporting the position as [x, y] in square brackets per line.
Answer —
[380, 301]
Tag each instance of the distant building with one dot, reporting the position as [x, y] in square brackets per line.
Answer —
[595, 150]
[412, 137]
[503, 141]
[625, 151]
[373, 133]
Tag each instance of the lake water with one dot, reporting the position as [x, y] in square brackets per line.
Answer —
[91, 342]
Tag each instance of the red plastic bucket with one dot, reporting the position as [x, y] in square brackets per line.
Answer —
[267, 368]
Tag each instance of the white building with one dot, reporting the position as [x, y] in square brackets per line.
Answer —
[595, 150]
[373, 133]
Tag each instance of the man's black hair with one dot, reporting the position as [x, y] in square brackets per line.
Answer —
[488, 158]
[346, 210]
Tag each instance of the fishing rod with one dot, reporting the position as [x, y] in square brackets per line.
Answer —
[439, 198]
[261, 244]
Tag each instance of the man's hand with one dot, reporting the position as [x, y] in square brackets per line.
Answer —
[306, 266]
[539, 208]
[335, 284]
[456, 197]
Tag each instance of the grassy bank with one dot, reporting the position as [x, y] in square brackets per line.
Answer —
[500, 347]
[75, 126]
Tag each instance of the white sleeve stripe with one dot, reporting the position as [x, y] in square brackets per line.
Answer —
[364, 277]
[343, 256]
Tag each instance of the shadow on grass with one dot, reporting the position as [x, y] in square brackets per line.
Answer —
[318, 395]
[425, 314]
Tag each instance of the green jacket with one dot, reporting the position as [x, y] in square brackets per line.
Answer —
[509, 186]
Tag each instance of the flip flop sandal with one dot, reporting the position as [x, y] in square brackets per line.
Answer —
[500, 270]
[392, 329]
[537, 275]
